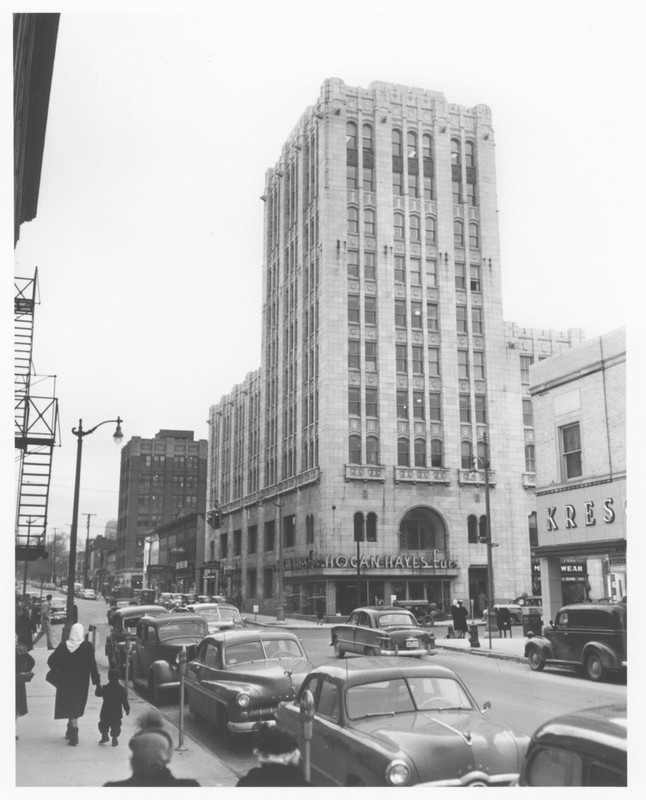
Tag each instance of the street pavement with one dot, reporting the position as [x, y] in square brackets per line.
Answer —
[43, 757]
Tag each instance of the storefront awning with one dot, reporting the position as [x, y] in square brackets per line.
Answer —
[572, 549]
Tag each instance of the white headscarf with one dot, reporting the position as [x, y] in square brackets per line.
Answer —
[75, 637]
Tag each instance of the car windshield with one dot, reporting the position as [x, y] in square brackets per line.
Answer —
[226, 614]
[395, 618]
[258, 650]
[173, 630]
[401, 695]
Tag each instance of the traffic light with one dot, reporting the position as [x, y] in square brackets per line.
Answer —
[214, 518]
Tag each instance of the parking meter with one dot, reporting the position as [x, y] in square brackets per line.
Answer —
[307, 719]
[182, 673]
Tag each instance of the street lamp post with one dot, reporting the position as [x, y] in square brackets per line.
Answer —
[280, 608]
[71, 576]
[489, 543]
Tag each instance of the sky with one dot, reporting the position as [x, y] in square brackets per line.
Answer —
[148, 237]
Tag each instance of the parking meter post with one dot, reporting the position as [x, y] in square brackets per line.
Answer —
[307, 719]
[182, 673]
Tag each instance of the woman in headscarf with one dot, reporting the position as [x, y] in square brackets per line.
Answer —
[74, 663]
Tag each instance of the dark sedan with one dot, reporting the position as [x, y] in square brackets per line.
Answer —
[380, 630]
[391, 722]
[124, 620]
[238, 677]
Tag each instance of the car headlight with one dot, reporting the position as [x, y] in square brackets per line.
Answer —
[243, 700]
[397, 773]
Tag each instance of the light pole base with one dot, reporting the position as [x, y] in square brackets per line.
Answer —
[280, 614]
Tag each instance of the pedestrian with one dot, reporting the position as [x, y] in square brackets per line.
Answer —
[115, 697]
[461, 615]
[320, 612]
[46, 623]
[25, 627]
[278, 760]
[74, 663]
[483, 603]
[454, 608]
[24, 666]
[152, 749]
[34, 612]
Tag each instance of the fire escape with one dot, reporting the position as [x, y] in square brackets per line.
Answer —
[36, 428]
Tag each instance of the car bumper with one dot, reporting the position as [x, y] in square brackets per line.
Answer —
[412, 652]
[478, 778]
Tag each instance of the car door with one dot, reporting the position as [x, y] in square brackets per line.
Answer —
[147, 649]
[326, 746]
[205, 669]
[348, 632]
[365, 637]
[561, 636]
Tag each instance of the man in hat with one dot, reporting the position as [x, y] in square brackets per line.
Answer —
[152, 749]
[278, 760]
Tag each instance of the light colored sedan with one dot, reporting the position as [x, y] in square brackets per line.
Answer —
[218, 616]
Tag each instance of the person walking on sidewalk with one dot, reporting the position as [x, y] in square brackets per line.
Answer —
[460, 618]
[25, 628]
[152, 748]
[74, 663]
[46, 623]
[24, 666]
[114, 698]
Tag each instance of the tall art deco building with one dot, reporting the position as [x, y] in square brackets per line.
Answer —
[385, 361]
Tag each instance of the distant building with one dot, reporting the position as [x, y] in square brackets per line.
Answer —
[162, 479]
[352, 463]
[579, 401]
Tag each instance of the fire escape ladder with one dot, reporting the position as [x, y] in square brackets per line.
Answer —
[24, 306]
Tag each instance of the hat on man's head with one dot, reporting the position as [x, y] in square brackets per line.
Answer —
[151, 745]
[273, 744]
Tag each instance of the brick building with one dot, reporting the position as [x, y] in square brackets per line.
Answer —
[350, 465]
[579, 403]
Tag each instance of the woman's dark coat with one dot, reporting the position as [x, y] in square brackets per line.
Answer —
[75, 670]
[25, 629]
[24, 663]
[461, 616]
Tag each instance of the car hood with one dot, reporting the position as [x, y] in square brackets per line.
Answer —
[270, 675]
[447, 744]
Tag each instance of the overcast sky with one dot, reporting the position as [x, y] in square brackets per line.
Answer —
[148, 238]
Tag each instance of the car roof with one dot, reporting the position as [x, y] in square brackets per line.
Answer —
[366, 669]
[199, 607]
[589, 728]
[136, 611]
[379, 608]
[170, 617]
[609, 608]
[251, 634]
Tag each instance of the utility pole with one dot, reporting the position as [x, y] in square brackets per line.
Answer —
[87, 549]
[53, 558]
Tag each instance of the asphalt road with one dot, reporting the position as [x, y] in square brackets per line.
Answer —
[520, 698]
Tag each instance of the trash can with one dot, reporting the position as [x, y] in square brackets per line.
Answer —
[531, 621]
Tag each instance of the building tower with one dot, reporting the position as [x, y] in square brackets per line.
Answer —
[349, 467]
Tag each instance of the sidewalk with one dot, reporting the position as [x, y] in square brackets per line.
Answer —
[43, 757]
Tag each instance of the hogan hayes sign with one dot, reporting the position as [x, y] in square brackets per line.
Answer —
[425, 561]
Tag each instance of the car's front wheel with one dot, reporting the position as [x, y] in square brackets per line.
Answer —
[594, 667]
[339, 652]
[536, 659]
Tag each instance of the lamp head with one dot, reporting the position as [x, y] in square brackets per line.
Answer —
[117, 436]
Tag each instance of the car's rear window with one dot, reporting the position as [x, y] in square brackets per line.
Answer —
[396, 618]
[172, 630]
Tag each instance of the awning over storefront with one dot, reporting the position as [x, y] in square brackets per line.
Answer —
[573, 549]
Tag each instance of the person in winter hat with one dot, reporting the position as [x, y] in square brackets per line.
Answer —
[278, 760]
[115, 698]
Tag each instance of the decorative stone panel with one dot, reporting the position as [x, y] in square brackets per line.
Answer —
[475, 477]
[364, 472]
[421, 475]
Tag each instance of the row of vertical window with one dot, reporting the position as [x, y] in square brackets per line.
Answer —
[466, 366]
[414, 227]
[416, 315]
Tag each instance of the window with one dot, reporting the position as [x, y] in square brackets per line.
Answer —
[270, 532]
[403, 452]
[415, 272]
[469, 155]
[474, 235]
[353, 308]
[472, 529]
[460, 276]
[372, 450]
[431, 272]
[413, 182]
[354, 401]
[530, 458]
[252, 539]
[571, 462]
[402, 404]
[415, 314]
[418, 405]
[358, 523]
[368, 179]
[353, 219]
[474, 277]
[351, 136]
[434, 407]
[369, 266]
[351, 179]
[482, 528]
[400, 313]
[354, 357]
[427, 146]
[354, 449]
[463, 363]
[466, 454]
[369, 221]
[525, 364]
[397, 143]
[465, 408]
[456, 188]
[401, 358]
[455, 153]
[428, 186]
[400, 269]
[481, 409]
[370, 310]
[430, 229]
[528, 412]
[417, 352]
[371, 356]
[399, 225]
[398, 187]
[461, 319]
[478, 365]
[414, 228]
[366, 137]
[432, 320]
[437, 455]
[353, 263]
[237, 543]
[371, 402]
[471, 193]
[371, 527]
[434, 361]
[458, 233]
[420, 452]
[476, 320]
[411, 144]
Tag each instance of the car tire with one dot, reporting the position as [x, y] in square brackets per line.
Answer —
[339, 652]
[535, 659]
[594, 667]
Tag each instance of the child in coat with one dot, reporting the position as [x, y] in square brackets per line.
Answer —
[114, 698]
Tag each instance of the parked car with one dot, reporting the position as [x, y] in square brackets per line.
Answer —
[155, 657]
[393, 722]
[115, 605]
[424, 612]
[219, 616]
[238, 677]
[380, 630]
[57, 609]
[582, 748]
[88, 594]
[515, 607]
[591, 636]
[126, 619]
